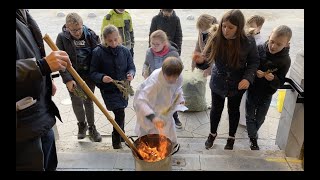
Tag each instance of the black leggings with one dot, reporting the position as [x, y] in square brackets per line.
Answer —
[233, 111]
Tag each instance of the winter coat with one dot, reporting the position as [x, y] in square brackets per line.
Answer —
[279, 63]
[124, 23]
[33, 79]
[151, 62]
[225, 80]
[152, 97]
[65, 43]
[170, 25]
[116, 63]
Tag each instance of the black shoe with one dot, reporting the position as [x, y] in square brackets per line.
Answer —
[94, 134]
[209, 142]
[117, 146]
[82, 130]
[229, 145]
[254, 144]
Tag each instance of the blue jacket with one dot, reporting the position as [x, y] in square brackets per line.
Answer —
[116, 63]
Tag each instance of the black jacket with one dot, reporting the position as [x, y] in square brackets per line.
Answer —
[279, 63]
[171, 26]
[32, 79]
[65, 42]
[224, 80]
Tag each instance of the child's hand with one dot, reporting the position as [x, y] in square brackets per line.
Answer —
[71, 85]
[158, 122]
[107, 79]
[198, 57]
[243, 84]
[129, 77]
[269, 76]
[260, 74]
[183, 103]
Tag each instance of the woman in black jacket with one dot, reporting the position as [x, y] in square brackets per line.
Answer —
[235, 59]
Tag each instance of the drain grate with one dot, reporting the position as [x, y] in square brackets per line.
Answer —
[178, 161]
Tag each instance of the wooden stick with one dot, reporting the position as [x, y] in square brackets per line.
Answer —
[88, 91]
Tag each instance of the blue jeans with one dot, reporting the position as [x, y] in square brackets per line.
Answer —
[37, 154]
[257, 107]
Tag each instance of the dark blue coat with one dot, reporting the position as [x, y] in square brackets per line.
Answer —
[224, 79]
[116, 63]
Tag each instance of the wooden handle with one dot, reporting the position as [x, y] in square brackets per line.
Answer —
[88, 91]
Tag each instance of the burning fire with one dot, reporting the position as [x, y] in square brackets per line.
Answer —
[152, 154]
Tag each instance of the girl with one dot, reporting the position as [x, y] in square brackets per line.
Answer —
[112, 61]
[236, 61]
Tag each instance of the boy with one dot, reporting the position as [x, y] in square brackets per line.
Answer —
[274, 65]
[161, 90]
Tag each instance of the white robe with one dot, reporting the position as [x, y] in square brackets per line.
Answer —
[152, 97]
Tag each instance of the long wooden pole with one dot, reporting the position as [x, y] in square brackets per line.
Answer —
[88, 91]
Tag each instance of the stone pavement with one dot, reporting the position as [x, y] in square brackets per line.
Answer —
[84, 155]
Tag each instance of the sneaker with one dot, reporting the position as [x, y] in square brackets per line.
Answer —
[82, 130]
[229, 145]
[209, 142]
[254, 144]
[94, 134]
[178, 123]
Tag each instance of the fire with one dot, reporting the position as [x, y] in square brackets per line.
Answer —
[156, 153]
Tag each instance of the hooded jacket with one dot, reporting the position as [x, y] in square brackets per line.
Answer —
[171, 25]
[279, 63]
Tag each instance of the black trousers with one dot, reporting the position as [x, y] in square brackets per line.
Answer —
[119, 116]
[233, 111]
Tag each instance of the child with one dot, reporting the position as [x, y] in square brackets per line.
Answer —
[206, 24]
[79, 41]
[235, 59]
[274, 65]
[253, 27]
[156, 94]
[112, 61]
[160, 49]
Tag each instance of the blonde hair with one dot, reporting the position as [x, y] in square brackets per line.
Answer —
[205, 21]
[159, 34]
[109, 30]
[74, 19]
[259, 20]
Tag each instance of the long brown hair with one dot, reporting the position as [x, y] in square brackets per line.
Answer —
[228, 51]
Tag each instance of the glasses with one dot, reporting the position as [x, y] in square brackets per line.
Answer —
[75, 30]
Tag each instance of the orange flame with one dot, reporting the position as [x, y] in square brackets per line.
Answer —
[152, 154]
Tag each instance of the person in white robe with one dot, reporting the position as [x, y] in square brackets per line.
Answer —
[157, 98]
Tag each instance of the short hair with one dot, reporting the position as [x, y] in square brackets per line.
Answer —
[168, 10]
[172, 66]
[74, 19]
[160, 35]
[259, 20]
[283, 30]
[205, 21]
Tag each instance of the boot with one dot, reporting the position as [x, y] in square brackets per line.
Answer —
[116, 141]
[94, 134]
[82, 130]
[254, 144]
